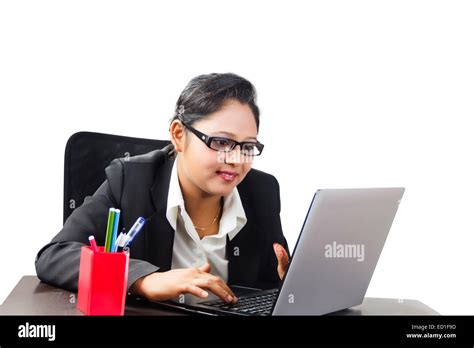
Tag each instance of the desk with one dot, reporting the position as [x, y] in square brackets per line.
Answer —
[32, 297]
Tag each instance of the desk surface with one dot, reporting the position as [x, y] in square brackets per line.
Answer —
[32, 297]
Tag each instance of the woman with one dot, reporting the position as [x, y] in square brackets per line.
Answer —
[211, 219]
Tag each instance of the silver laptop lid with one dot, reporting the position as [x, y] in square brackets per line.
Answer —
[337, 250]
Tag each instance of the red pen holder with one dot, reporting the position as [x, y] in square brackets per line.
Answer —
[102, 282]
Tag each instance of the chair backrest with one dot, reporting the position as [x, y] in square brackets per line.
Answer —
[86, 157]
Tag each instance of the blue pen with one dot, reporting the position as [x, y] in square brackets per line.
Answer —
[114, 232]
[136, 228]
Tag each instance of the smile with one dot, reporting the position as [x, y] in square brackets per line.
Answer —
[227, 176]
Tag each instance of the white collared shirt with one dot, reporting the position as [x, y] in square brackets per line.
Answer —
[188, 249]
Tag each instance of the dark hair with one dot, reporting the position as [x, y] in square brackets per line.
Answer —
[206, 94]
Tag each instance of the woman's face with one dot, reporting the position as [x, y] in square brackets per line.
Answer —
[213, 172]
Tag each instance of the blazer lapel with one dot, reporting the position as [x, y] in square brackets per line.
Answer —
[159, 233]
[243, 256]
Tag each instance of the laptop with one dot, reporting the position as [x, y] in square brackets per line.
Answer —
[332, 263]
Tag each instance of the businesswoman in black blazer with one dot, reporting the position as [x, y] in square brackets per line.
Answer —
[211, 219]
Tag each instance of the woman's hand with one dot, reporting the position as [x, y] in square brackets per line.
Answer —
[283, 259]
[162, 286]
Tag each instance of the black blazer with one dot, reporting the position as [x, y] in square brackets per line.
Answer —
[139, 187]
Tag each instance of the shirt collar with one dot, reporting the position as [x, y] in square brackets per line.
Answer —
[175, 197]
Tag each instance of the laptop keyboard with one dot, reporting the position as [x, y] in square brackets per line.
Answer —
[259, 303]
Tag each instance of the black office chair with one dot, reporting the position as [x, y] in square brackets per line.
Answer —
[86, 157]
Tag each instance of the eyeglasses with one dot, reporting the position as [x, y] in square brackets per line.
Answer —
[247, 148]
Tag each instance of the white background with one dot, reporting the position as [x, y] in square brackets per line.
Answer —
[352, 93]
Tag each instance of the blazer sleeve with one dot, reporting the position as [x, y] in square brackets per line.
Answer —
[57, 263]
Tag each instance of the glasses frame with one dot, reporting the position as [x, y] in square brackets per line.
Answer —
[206, 139]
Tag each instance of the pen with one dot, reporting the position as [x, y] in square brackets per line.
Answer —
[110, 227]
[136, 228]
[115, 229]
[120, 237]
[93, 244]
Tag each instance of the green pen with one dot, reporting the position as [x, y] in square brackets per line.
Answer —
[110, 228]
